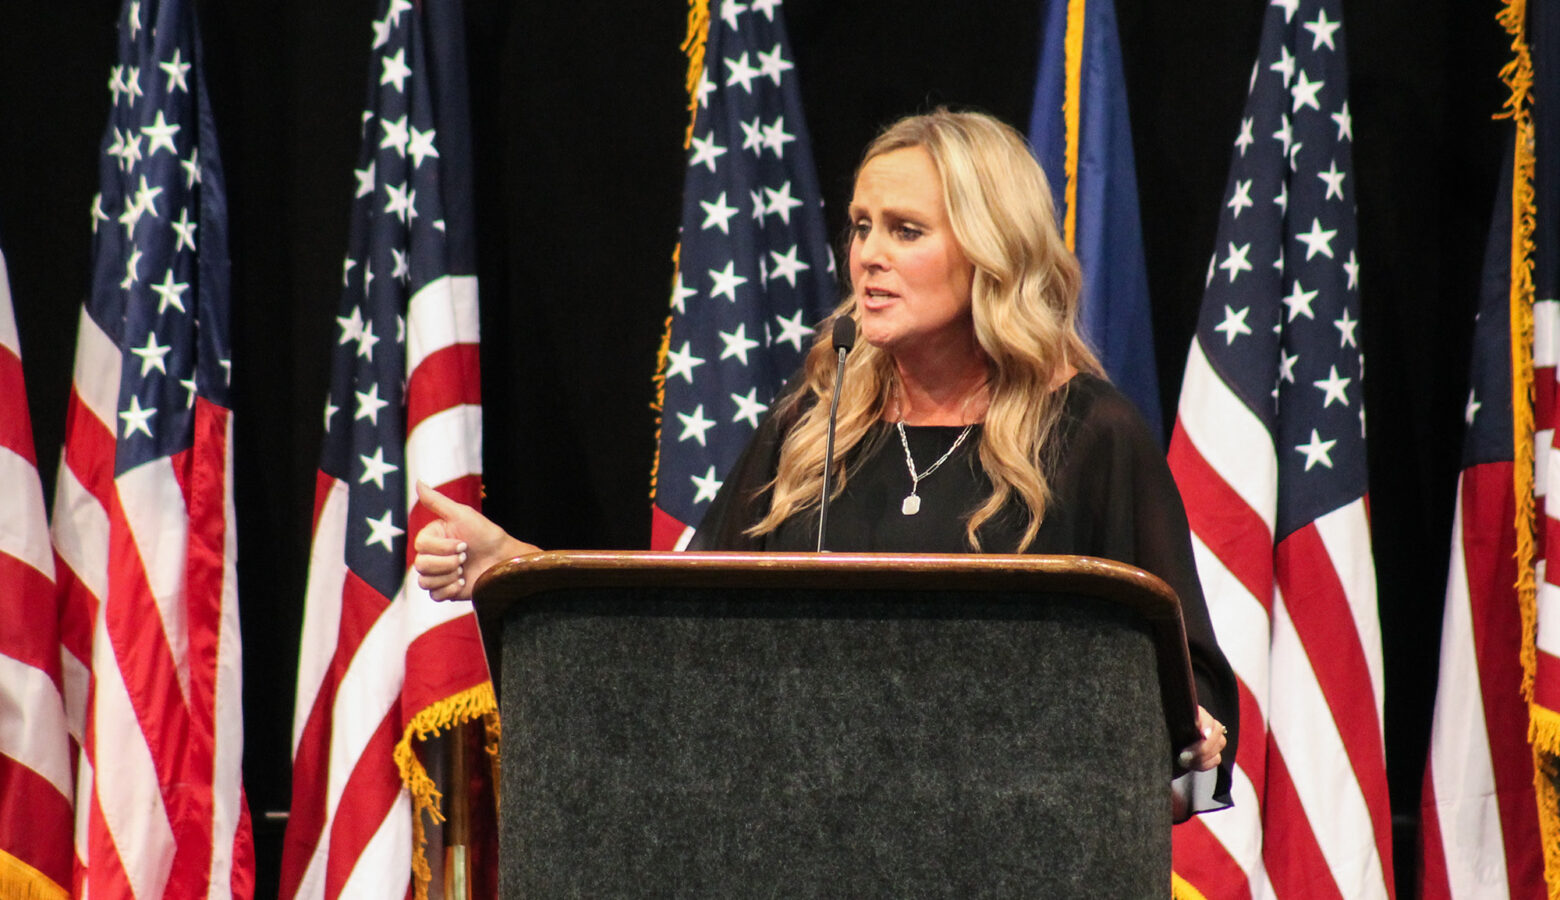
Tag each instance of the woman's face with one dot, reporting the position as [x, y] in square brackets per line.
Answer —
[911, 280]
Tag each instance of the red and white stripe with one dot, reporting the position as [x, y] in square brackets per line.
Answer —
[1479, 813]
[1298, 621]
[149, 627]
[35, 750]
[1546, 675]
[1479, 818]
[368, 663]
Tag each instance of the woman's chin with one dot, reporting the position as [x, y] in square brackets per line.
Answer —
[881, 338]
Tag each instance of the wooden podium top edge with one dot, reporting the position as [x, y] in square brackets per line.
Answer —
[539, 573]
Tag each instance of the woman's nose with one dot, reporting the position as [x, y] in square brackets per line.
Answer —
[870, 250]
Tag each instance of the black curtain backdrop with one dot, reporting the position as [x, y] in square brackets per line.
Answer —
[579, 113]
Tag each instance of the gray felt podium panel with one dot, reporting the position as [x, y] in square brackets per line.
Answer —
[714, 741]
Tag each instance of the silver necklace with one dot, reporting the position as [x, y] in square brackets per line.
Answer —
[912, 503]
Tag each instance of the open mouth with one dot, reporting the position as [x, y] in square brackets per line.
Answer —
[876, 298]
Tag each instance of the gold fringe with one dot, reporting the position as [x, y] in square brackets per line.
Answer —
[495, 734]
[1518, 76]
[658, 380]
[1543, 728]
[693, 48]
[1547, 797]
[467, 706]
[19, 881]
[1543, 724]
[1181, 889]
[1071, 109]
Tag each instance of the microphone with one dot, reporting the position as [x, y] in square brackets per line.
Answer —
[844, 339]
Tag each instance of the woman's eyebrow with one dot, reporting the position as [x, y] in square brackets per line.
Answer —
[890, 212]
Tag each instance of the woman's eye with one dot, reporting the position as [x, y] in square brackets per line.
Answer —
[908, 232]
[860, 229]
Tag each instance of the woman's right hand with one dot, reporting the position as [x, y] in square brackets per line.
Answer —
[458, 546]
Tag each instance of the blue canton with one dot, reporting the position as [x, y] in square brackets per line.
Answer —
[161, 196]
[1281, 311]
[1487, 410]
[755, 271]
[398, 244]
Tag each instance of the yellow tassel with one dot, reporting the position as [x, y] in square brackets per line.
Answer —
[1543, 724]
[495, 733]
[1544, 774]
[1518, 76]
[19, 881]
[658, 380]
[693, 48]
[1544, 733]
[467, 706]
[1071, 111]
[1181, 889]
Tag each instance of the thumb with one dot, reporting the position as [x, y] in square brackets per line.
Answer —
[438, 504]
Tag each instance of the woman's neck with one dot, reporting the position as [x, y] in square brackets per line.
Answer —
[956, 392]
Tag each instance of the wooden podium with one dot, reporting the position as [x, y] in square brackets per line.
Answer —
[843, 725]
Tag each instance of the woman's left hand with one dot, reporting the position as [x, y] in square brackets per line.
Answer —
[1208, 752]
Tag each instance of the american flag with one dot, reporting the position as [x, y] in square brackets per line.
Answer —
[1269, 452]
[754, 269]
[381, 664]
[1479, 815]
[1490, 804]
[143, 517]
[35, 747]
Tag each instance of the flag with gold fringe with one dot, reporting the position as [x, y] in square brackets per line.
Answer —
[754, 269]
[1479, 833]
[382, 666]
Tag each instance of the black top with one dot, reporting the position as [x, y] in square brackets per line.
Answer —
[1112, 496]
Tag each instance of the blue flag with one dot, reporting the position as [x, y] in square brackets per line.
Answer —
[754, 269]
[1096, 198]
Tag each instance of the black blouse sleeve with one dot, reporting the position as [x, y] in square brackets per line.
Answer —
[1130, 510]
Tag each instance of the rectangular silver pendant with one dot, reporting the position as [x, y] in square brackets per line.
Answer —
[911, 506]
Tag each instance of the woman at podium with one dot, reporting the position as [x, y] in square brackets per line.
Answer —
[972, 415]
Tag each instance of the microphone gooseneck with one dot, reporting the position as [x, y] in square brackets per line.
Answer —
[844, 339]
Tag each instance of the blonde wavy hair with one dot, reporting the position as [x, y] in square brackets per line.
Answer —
[1024, 301]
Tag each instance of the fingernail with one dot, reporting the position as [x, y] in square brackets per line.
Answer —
[1207, 732]
[1186, 759]
[461, 547]
[463, 582]
[463, 556]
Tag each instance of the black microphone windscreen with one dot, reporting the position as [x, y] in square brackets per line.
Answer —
[844, 333]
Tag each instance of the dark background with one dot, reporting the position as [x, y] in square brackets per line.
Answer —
[579, 114]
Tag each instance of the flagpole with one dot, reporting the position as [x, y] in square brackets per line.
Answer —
[457, 825]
